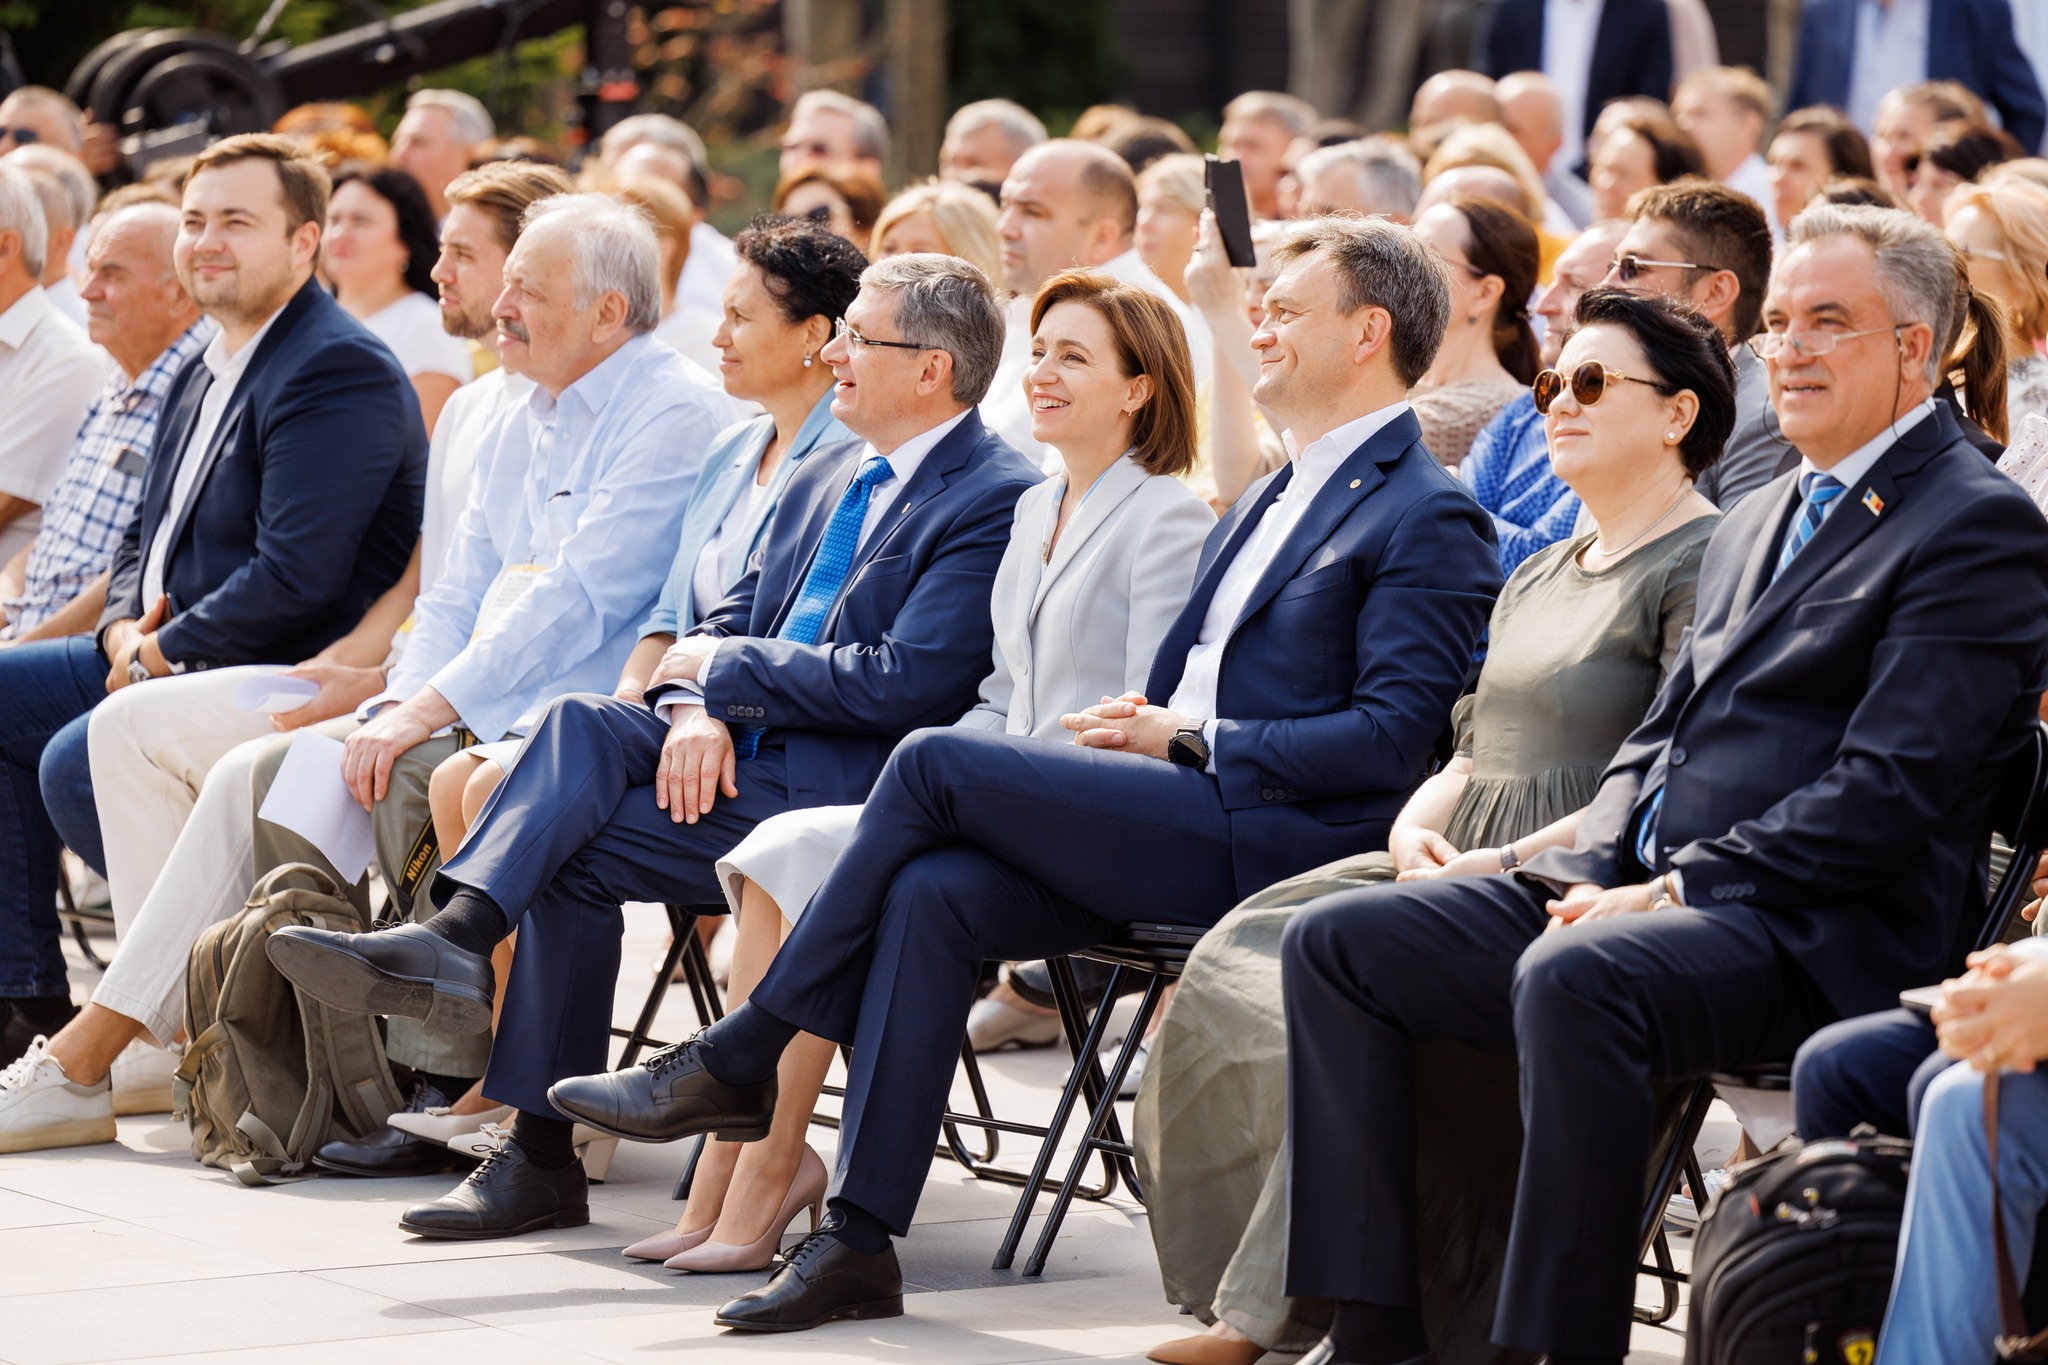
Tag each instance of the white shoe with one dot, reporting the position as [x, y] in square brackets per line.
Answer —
[1682, 1210]
[142, 1077]
[992, 1024]
[1134, 1075]
[42, 1107]
[440, 1125]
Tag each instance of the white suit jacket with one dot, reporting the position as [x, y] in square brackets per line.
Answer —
[1085, 625]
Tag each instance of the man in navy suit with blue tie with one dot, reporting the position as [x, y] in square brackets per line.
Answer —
[1331, 627]
[1798, 830]
[864, 615]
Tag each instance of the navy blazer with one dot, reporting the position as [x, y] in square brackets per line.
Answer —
[1342, 669]
[908, 641]
[306, 508]
[1970, 41]
[1631, 49]
[1829, 744]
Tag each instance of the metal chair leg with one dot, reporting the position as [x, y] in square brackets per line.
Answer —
[70, 915]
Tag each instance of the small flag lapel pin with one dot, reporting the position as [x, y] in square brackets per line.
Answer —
[1872, 503]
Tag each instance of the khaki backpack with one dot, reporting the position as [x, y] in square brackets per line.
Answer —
[265, 1060]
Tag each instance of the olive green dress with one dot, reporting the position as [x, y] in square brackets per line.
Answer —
[1574, 662]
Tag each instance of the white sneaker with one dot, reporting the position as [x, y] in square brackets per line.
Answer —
[443, 1125]
[1134, 1075]
[42, 1107]
[992, 1024]
[142, 1077]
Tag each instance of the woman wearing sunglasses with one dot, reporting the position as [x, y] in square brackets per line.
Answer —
[1641, 402]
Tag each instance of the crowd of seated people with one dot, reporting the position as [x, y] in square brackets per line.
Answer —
[1520, 623]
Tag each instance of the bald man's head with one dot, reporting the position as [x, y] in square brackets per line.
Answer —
[1064, 204]
[1484, 182]
[1533, 111]
[1452, 95]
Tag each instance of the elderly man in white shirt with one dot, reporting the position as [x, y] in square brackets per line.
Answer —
[50, 371]
[1067, 204]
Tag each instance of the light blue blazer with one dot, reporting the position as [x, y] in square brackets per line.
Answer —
[728, 468]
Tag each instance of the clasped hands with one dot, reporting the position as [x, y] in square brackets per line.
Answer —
[1128, 722]
[136, 639]
[1996, 1014]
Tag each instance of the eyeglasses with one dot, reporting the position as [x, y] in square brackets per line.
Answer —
[22, 136]
[1973, 253]
[821, 151]
[1629, 267]
[855, 341]
[1470, 269]
[1771, 345]
[1588, 384]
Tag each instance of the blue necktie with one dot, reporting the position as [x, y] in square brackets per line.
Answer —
[826, 577]
[1820, 491]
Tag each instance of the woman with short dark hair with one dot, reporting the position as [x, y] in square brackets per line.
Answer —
[1641, 402]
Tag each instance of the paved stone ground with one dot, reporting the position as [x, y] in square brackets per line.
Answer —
[133, 1252]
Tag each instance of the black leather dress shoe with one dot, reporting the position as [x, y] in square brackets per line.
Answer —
[17, 1031]
[820, 1279]
[390, 1152]
[668, 1096]
[505, 1196]
[409, 971]
[1325, 1353]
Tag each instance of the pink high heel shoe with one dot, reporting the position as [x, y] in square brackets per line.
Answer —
[806, 1188]
[663, 1245]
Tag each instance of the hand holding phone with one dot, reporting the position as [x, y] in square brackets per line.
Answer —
[1225, 180]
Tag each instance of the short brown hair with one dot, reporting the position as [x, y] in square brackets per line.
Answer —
[1848, 150]
[1149, 341]
[863, 193]
[302, 182]
[1737, 83]
[1722, 229]
[506, 190]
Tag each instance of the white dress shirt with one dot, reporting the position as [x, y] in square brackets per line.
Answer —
[718, 563]
[411, 330]
[65, 298]
[701, 286]
[1195, 698]
[1753, 178]
[904, 462]
[1890, 51]
[50, 373]
[1570, 28]
[466, 422]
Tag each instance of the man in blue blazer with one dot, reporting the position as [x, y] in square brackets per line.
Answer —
[864, 615]
[1967, 41]
[1630, 53]
[1331, 627]
[283, 498]
[1798, 829]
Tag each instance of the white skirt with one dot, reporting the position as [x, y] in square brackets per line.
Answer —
[788, 855]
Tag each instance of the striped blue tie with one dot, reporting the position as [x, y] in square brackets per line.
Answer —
[826, 577]
[1820, 491]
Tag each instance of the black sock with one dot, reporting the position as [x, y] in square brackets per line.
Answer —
[472, 921]
[47, 1013]
[745, 1047]
[452, 1088]
[545, 1140]
[860, 1230]
[1374, 1334]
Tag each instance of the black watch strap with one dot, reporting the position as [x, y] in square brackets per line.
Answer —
[1188, 748]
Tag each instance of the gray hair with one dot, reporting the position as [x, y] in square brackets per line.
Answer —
[21, 212]
[661, 130]
[472, 121]
[1290, 112]
[80, 193]
[1916, 267]
[615, 252]
[163, 218]
[870, 130]
[1020, 124]
[1389, 176]
[1383, 265]
[42, 97]
[947, 304]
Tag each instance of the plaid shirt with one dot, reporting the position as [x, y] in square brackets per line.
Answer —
[84, 520]
[1509, 471]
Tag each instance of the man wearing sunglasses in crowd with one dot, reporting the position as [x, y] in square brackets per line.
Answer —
[1791, 836]
[1711, 246]
[33, 115]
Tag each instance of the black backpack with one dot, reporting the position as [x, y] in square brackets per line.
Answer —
[1793, 1263]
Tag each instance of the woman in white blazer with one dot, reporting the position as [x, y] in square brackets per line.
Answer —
[1101, 559]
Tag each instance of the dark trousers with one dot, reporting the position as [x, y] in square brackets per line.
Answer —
[1596, 1014]
[47, 691]
[976, 846]
[1871, 1069]
[570, 835]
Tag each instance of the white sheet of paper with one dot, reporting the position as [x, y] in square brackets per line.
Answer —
[274, 692]
[500, 752]
[310, 799]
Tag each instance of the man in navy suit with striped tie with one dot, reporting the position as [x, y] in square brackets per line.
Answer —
[1797, 831]
[864, 616]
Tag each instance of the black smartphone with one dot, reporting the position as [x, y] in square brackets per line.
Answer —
[1225, 180]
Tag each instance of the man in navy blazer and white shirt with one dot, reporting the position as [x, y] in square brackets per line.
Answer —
[1331, 627]
[1798, 830]
[863, 615]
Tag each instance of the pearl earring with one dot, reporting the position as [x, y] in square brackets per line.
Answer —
[807, 360]
[1671, 438]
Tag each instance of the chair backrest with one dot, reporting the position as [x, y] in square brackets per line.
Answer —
[2019, 815]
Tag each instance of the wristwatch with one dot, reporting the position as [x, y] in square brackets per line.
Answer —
[1188, 748]
[1509, 859]
[138, 671]
[1660, 894]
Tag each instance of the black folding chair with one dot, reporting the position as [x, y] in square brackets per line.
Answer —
[79, 921]
[1157, 953]
[684, 948]
[2019, 816]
